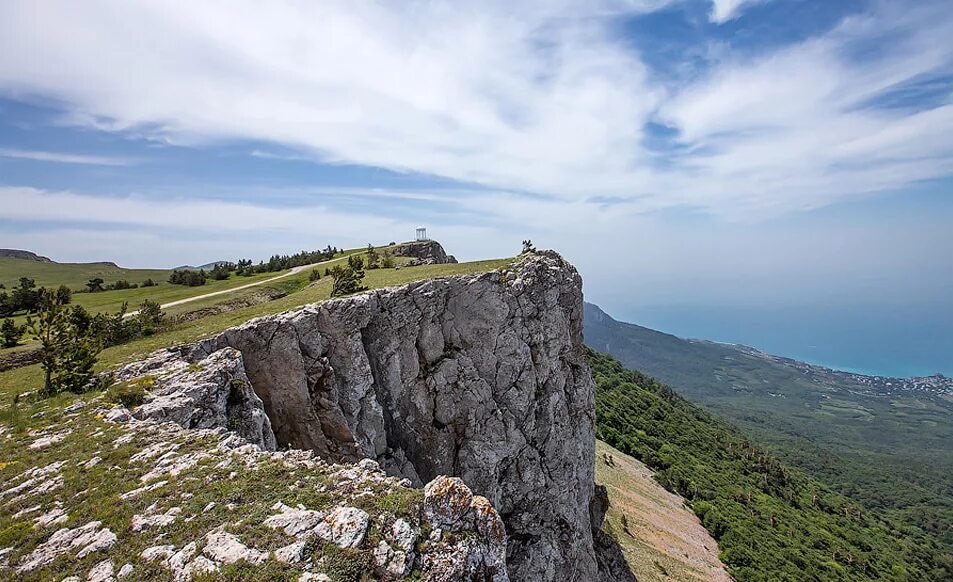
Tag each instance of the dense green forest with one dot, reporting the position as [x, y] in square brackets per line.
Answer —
[888, 451]
[772, 522]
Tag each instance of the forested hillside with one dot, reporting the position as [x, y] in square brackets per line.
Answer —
[772, 522]
[888, 448]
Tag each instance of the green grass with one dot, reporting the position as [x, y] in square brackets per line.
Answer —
[73, 275]
[93, 493]
[30, 377]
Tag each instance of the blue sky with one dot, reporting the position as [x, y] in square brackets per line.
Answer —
[724, 152]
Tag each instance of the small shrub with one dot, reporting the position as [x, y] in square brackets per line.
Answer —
[129, 394]
[150, 317]
[11, 333]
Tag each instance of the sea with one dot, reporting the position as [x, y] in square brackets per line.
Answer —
[897, 341]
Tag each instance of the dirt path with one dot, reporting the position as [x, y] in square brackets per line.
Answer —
[293, 271]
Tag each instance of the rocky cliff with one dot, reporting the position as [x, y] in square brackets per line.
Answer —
[479, 377]
[424, 252]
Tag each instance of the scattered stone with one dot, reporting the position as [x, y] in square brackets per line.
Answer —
[118, 414]
[141, 522]
[88, 538]
[226, 548]
[101, 572]
[403, 534]
[43, 442]
[75, 407]
[344, 526]
[27, 511]
[154, 553]
[143, 489]
[55, 516]
[126, 570]
[92, 462]
[172, 465]
[296, 522]
[292, 553]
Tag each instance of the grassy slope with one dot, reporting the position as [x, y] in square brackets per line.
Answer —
[92, 493]
[661, 538]
[771, 522]
[218, 489]
[301, 293]
[73, 275]
[892, 454]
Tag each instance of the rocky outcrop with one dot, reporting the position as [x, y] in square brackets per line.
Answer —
[480, 377]
[424, 252]
[23, 255]
[210, 392]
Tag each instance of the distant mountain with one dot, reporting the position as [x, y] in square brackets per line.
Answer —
[883, 441]
[25, 255]
[205, 267]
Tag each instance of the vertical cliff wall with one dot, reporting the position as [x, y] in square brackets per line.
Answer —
[482, 377]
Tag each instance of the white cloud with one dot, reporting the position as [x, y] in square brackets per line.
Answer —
[540, 97]
[724, 10]
[64, 158]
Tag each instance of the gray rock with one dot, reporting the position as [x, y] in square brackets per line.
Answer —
[84, 540]
[225, 548]
[482, 377]
[118, 414]
[209, 393]
[344, 526]
[125, 571]
[101, 572]
[424, 252]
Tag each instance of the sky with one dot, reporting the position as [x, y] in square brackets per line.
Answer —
[685, 155]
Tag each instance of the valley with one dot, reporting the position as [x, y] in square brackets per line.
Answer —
[883, 445]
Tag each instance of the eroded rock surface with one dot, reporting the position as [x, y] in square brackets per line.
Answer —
[424, 252]
[480, 377]
[208, 393]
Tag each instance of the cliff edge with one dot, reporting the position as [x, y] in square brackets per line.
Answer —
[476, 386]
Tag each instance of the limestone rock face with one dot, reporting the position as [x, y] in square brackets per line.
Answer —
[479, 377]
[424, 252]
[208, 393]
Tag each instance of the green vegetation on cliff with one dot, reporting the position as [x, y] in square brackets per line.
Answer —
[772, 522]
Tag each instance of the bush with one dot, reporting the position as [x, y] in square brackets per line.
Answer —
[373, 257]
[149, 318]
[67, 354]
[11, 333]
[148, 283]
[387, 260]
[64, 294]
[221, 271]
[188, 278]
[129, 394]
[121, 285]
[347, 278]
[314, 275]
[95, 285]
